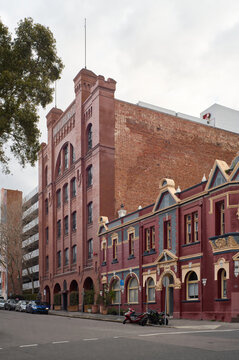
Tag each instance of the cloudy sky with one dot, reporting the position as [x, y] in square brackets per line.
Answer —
[179, 54]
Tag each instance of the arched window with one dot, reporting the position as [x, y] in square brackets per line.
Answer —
[65, 151]
[192, 286]
[73, 156]
[89, 137]
[222, 284]
[133, 288]
[150, 290]
[116, 290]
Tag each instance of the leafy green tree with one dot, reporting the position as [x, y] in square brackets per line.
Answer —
[28, 66]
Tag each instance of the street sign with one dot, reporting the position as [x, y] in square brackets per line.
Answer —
[121, 282]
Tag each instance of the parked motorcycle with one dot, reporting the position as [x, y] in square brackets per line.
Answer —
[132, 317]
[157, 318]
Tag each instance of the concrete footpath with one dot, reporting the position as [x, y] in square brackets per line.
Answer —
[173, 323]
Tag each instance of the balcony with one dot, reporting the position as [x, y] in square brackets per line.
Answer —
[30, 270]
[30, 225]
[30, 240]
[30, 210]
[30, 195]
[31, 255]
[28, 285]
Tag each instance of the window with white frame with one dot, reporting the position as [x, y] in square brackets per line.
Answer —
[192, 286]
[117, 293]
[133, 289]
[150, 290]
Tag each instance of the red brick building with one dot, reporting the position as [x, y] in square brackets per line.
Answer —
[102, 152]
[189, 239]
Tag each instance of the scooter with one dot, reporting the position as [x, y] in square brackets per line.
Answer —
[132, 317]
[157, 318]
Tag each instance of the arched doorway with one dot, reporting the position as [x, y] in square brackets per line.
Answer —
[47, 295]
[88, 291]
[57, 296]
[74, 294]
[168, 283]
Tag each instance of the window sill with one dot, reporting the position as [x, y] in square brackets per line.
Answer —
[89, 187]
[131, 257]
[226, 299]
[190, 301]
[103, 263]
[192, 243]
[115, 261]
[149, 252]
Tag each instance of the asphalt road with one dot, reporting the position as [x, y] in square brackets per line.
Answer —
[26, 336]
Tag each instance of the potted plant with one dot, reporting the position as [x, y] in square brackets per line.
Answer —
[89, 300]
[74, 301]
[57, 301]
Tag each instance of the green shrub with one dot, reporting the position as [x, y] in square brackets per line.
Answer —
[74, 298]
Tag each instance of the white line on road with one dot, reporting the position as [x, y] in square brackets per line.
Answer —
[23, 346]
[60, 342]
[90, 339]
[116, 337]
[188, 332]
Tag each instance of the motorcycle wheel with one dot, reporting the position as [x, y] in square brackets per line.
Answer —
[124, 322]
[144, 322]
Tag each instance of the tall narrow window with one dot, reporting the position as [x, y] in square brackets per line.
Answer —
[114, 249]
[152, 237]
[58, 228]
[66, 228]
[150, 289]
[90, 212]
[65, 192]
[169, 235]
[147, 239]
[59, 259]
[222, 284]
[46, 206]
[188, 229]
[66, 156]
[74, 221]
[66, 256]
[73, 187]
[47, 234]
[131, 244]
[58, 198]
[73, 156]
[133, 288]
[220, 218]
[104, 252]
[90, 249]
[192, 286]
[74, 253]
[195, 226]
[117, 292]
[89, 176]
[89, 137]
[46, 176]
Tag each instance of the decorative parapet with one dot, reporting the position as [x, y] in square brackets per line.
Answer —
[224, 242]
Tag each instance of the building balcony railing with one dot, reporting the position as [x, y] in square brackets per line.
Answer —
[28, 286]
[30, 225]
[31, 270]
[31, 255]
[30, 210]
[30, 240]
[30, 195]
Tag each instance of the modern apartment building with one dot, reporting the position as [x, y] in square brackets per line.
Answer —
[30, 243]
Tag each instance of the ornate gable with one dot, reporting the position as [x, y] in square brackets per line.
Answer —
[218, 175]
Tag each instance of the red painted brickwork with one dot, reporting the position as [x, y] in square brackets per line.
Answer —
[150, 145]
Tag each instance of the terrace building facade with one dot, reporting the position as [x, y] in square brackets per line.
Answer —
[101, 152]
[182, 252]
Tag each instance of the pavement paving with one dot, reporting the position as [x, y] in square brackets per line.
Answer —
[173, 323]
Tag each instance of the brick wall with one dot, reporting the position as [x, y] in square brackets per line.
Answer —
[150, 145]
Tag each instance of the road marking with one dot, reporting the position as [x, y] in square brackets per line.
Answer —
[189, 332]
[92, 339]
[116, 337]
[23, 346]
[60, 342]
[1, 348]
